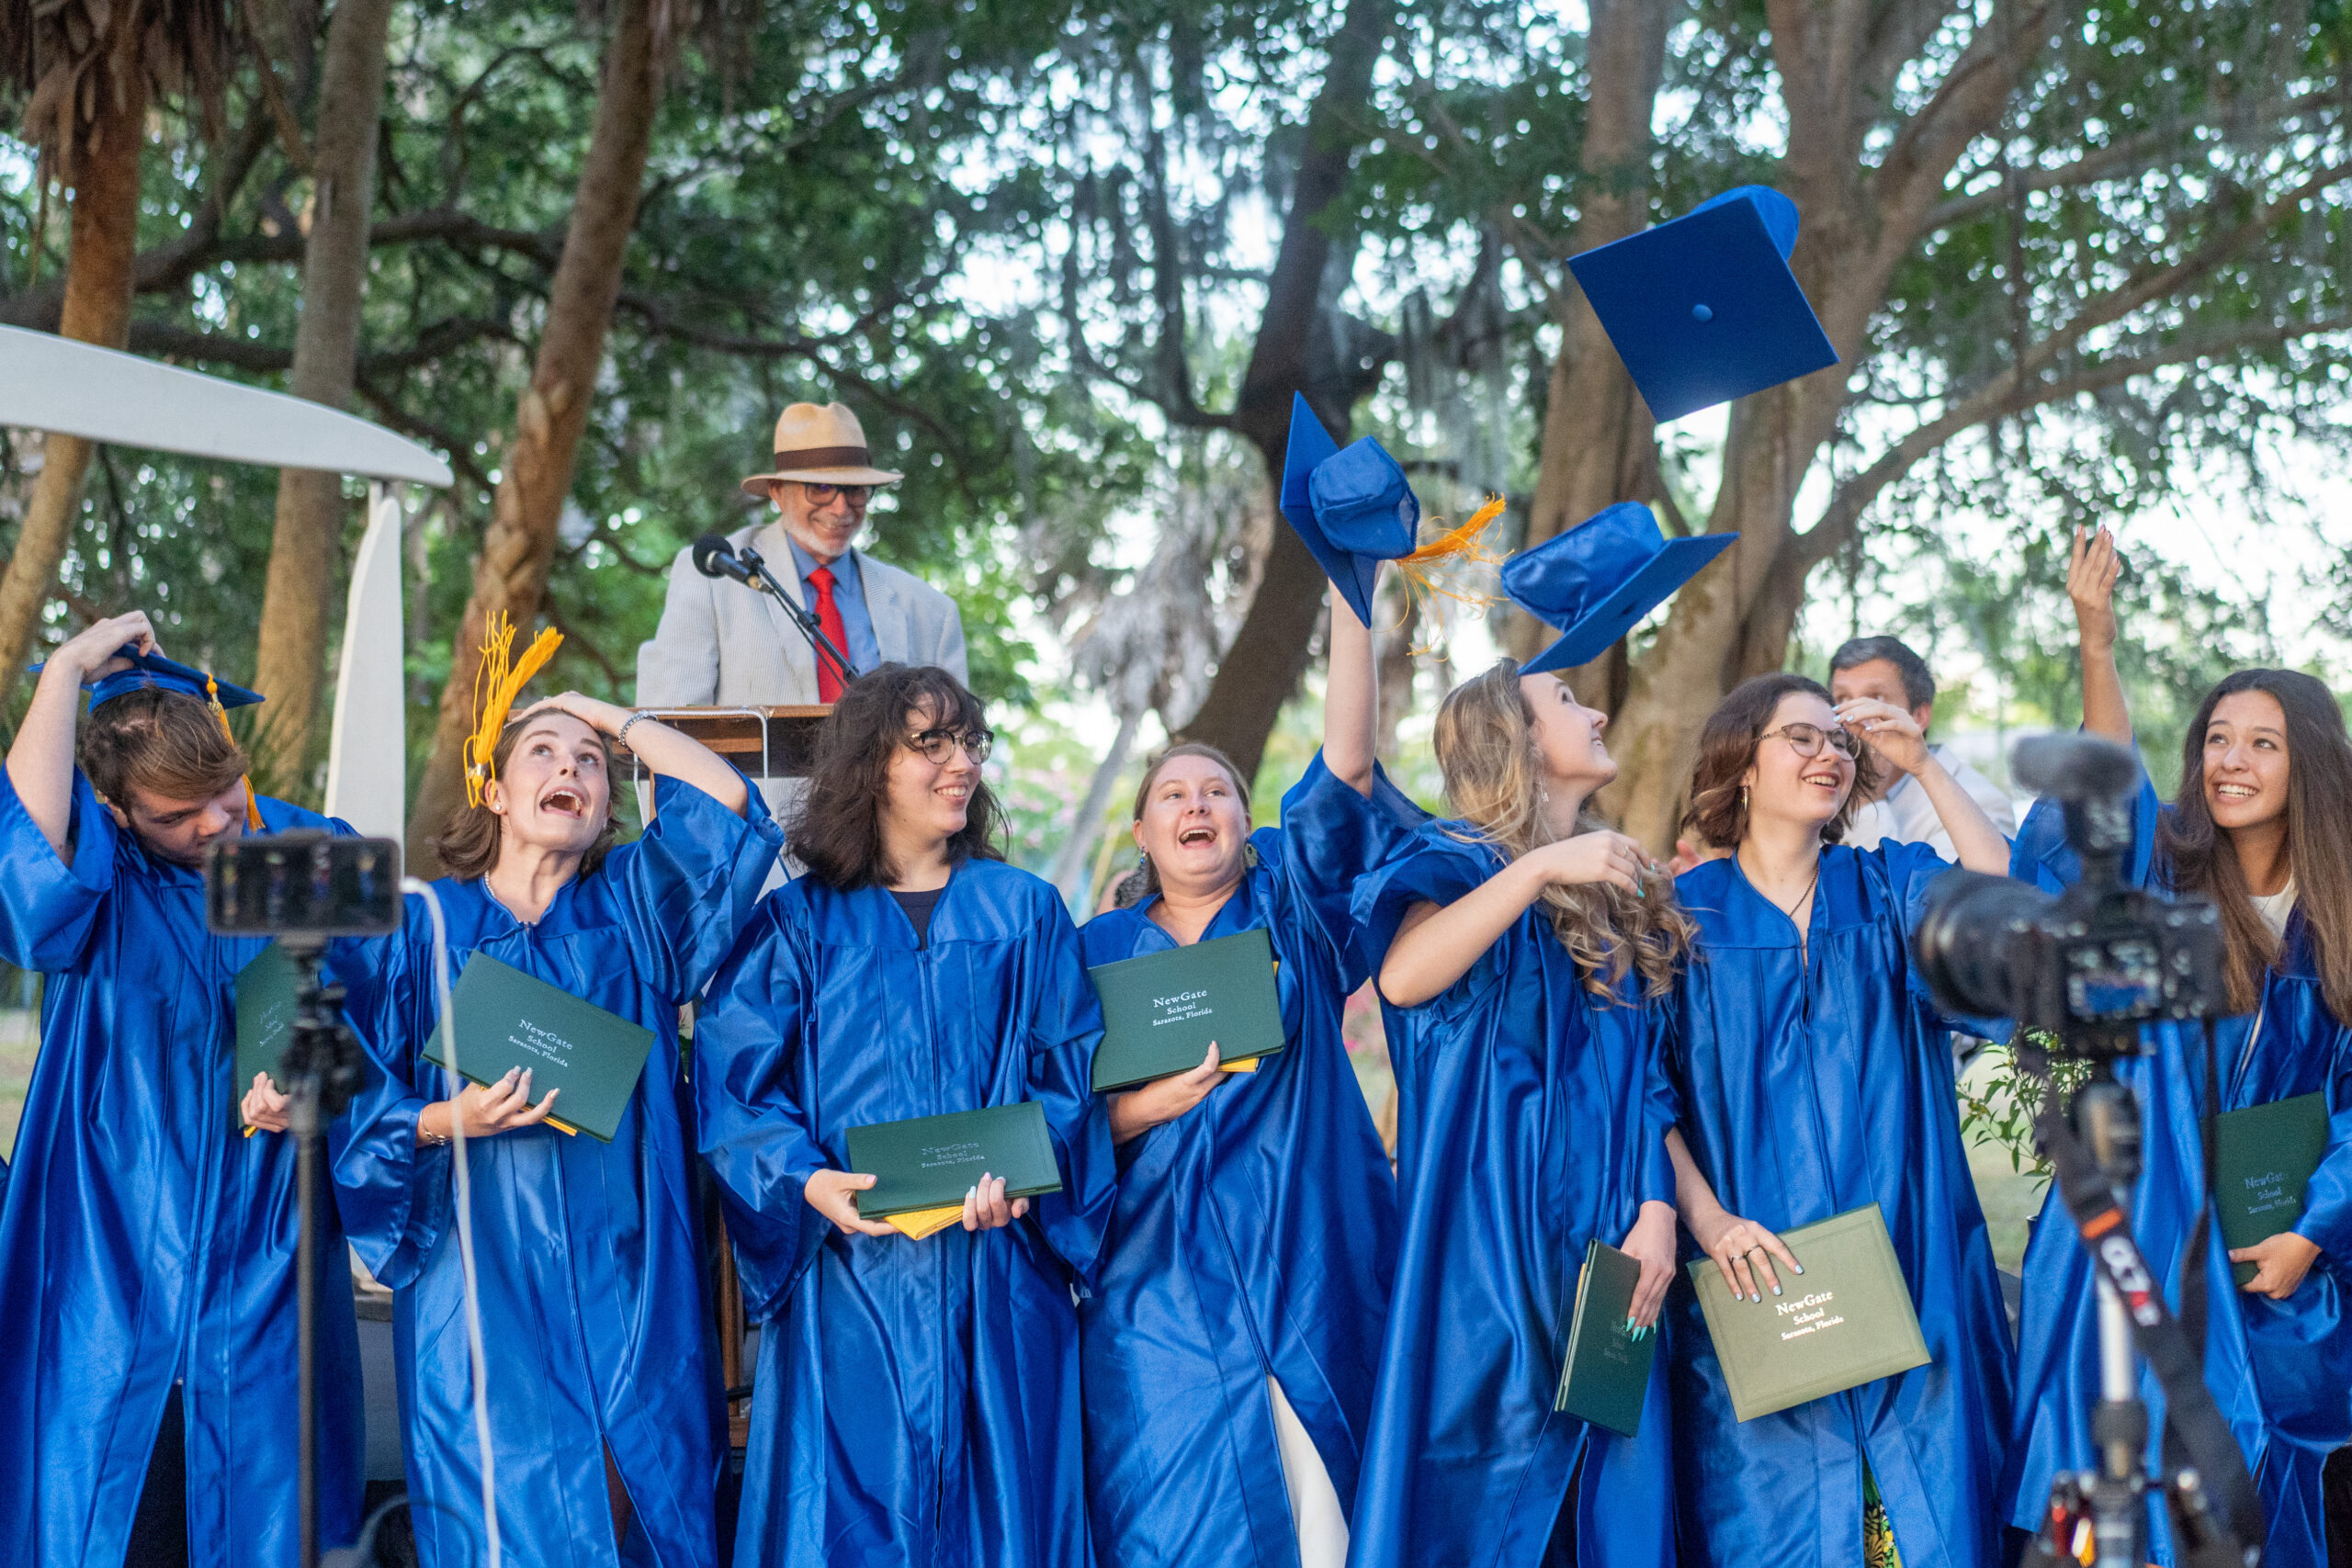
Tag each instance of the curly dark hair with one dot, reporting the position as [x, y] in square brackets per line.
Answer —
[837, 831]
[1718, 811]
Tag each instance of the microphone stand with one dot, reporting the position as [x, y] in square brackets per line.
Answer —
[759, 576]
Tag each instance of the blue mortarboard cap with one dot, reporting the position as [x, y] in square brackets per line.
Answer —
[1597, 581]
[153, 671]
[1704, 309]
[1352, 509]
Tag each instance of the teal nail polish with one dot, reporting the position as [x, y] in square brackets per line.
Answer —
[1798, 1267]
[1776, 1290]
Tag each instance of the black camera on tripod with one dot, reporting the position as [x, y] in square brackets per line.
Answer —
[305, 888]
[2081, 972]
[2088, 967]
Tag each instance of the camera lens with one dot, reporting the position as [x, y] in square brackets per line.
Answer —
[1967, 942]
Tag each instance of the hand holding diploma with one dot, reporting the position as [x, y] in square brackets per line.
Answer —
[264, 1108]
[1744, 1250]
[1136, 1111]
[985, 1208]
[1651, 1244]
[2280, 1262]
[488, 1109]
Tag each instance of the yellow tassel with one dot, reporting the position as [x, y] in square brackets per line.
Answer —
[499, 679]
[1463, 542]
[212, 696]
[1450, 552]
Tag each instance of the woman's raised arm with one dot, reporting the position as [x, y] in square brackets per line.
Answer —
[2092, 568]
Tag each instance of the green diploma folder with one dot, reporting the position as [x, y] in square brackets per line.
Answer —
[265, 1006]
[508, 1019]
[1845, 1321]
[929, 1162]
[2263, 1158]
[1160, 1012]
[1607, 1371]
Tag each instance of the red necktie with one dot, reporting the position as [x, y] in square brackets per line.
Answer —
[829, 621]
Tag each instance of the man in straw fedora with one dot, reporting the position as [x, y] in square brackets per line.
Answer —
[720, 642]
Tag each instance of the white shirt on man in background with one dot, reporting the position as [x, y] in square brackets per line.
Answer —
[1905, 816]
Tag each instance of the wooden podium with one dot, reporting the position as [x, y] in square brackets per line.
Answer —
[767, 741]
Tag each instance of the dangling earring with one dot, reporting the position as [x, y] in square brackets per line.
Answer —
[1743, 797]
[1248, 855]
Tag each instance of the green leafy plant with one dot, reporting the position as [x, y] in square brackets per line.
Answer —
[2000, 1107]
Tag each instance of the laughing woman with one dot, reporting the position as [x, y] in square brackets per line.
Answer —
[604, 1405]
[1814, 1078]
[917, 1400]
[1233, 1333]
[2258, 829]
[1523, 946]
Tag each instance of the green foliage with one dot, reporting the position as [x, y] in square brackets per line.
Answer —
[1999, 1106]
[1028, 240]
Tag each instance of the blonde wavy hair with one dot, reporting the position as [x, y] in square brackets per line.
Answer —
[1485, 747]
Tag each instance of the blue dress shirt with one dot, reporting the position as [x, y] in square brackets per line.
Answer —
[849, 598]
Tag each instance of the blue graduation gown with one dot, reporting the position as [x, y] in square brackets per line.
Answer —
[589, 1254]
[916, 1400]
[1253, 1236]
[1810, 1086]
[1531, 1119]
[2281, 1371]
[143, 1240]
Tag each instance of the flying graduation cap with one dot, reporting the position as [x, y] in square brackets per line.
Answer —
[1704, 309]
[1597, 581]
[1352, 509]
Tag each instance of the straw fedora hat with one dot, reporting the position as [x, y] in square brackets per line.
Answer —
[821, 445]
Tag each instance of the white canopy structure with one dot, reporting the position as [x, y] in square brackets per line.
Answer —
[51, 383]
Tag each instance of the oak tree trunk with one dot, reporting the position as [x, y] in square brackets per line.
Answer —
[1296, 351]
[305, 545]
[1859, 222]
[1600, 443]
[102, 246]
[510, 573]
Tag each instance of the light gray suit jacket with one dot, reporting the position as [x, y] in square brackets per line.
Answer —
[720, 642]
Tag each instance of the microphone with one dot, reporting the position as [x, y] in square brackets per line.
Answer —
[714, 557]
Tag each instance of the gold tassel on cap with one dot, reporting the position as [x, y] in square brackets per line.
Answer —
[498, 680]
[212, 696]
[1451, 551]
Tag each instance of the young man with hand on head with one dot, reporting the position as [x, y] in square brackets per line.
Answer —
[147, 1293]
[1883, 668]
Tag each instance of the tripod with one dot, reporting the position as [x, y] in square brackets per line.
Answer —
[2097, 1147]
[321, 1067]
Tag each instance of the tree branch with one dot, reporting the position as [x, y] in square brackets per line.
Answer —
[440, 339]
[2008, 394]
[2127, 155]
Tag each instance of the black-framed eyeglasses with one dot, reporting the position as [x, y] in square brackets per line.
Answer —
[818, 494]
[1806, 739]
[938, 746]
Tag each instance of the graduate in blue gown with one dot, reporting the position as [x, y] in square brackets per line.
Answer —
[1521, 947]
[2258, 829]
[144, 1243]
[1816, 1077]
[916, 1400]
[1233, 1334]
[605, 1420]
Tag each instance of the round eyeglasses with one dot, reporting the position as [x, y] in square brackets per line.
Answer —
[1806, 739]
[938, 746]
